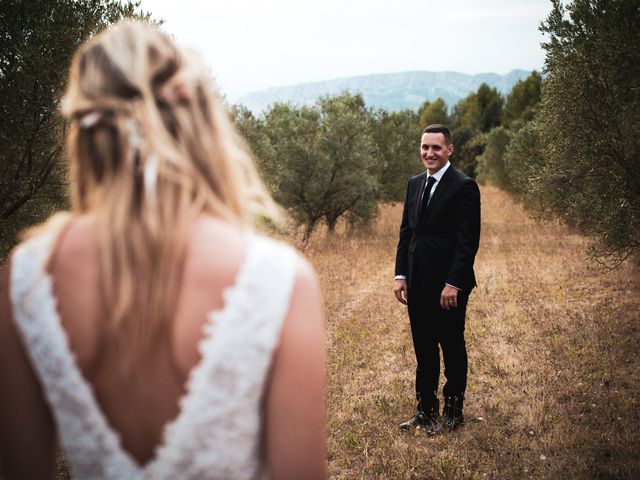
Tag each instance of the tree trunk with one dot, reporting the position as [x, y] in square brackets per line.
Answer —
[308, 230]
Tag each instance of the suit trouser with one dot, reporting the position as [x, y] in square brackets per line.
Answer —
[432, 326]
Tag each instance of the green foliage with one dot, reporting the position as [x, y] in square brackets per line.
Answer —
[434, 112]
[295, 161]
[490, 104]
[465, 113]
[472, 118]
[253, 131]
[468, 144]
[491, 165]
[522, 102]
[575, 153]
[397, 138]
[522, 159]
[322, 162]
[36, 45]
[589, 122]
[347, 141]
[334, 159]
[480, 110]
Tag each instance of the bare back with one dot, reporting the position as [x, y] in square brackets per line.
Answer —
[139, 401]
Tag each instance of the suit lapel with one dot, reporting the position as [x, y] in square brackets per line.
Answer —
[417, 198]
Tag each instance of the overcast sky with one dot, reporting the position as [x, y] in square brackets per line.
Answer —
[253, 45]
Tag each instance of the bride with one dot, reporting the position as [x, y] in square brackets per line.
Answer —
[150, 333]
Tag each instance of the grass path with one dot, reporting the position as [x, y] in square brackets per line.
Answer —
[554, 389]
[553, 346]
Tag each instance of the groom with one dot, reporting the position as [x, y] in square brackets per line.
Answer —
[439, 237]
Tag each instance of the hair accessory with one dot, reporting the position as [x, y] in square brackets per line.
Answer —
[182, 91]
[150, 176]
[88, 120]
[150, 164]
[135, 139]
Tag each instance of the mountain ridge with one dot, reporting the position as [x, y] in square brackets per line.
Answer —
[391, 91]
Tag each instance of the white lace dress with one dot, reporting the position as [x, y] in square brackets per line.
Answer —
[218, 432]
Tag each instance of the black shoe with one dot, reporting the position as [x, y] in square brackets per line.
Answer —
[418, 420]
[453, 406]
[421, 420]
[433, 427]
[452, 423]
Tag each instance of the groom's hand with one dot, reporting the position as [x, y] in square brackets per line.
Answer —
[449, 297]
[400, 291]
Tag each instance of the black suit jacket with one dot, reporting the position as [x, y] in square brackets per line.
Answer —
[440, 246]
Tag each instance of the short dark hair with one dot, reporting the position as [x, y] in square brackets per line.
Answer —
[439, 128]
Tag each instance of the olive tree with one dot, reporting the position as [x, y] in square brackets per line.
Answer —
[589, 173]
[37, 41]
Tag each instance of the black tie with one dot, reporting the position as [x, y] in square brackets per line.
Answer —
[425, 196]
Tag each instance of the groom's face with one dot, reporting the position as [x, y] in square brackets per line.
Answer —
[434, 151]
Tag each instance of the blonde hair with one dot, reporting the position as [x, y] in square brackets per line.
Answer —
[150, 148]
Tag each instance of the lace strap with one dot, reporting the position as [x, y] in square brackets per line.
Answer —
[83, 431]
[222, 418]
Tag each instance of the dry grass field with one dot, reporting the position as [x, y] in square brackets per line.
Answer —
[553, 389]
[553, 358]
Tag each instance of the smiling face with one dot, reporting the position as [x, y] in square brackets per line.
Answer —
[434, 151]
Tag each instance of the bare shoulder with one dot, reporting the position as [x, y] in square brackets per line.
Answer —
[295, 425]
[207, 226]
[215, 245]
[306, 277]
[77, 247]
[215, 240]
[304, 325]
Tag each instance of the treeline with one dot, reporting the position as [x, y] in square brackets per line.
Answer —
[566, 144]
[578, 157]
[333, 159]
[338, 158]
